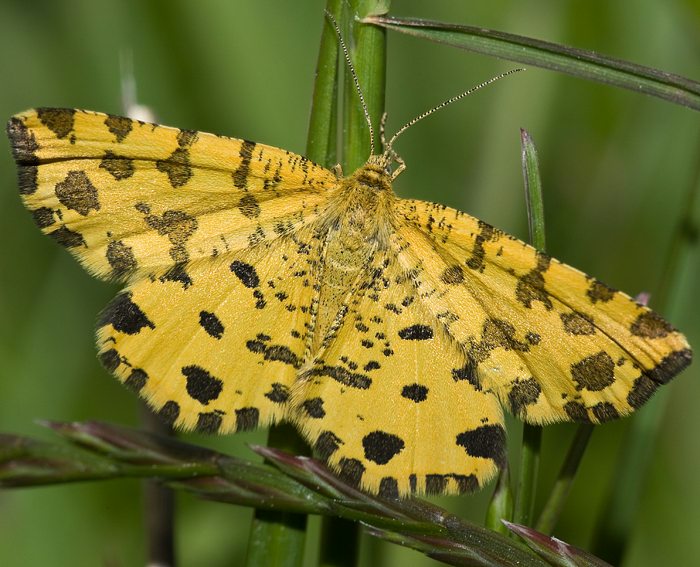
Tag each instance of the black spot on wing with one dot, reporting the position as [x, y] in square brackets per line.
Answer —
[67, 238]
[169, 412]
[415, 392]
[178, 226]
[380, 447]
[577, 412]
[110, 359]
[351, 471]
[487, 441]
[435, 483]
[124, 315]
[246, 273]
[604, 411]
[240, 176]
[201, 385]
[119, 167]
[466, 483]
[530, 287]
[121, 258]
[211, 324]
[642, 389]
[279, 393]
[77, 193]
[326, 444]
[249, 207]
[247, 418]
[273, 352]
[533, 338]
[523, 392]
[495, 333]
[577, 323]
[650, 325]
[314, 408]
[416, 333]
[389, 488]
[27, 179]
[43, 217]
[176, 167]
[119, 126]
[452, 275]
[59, 120]
[670, 365]
[342, 375]
[467, 372]
[177, 273]
[486, 233]
[24, 148]
[209, 422]
[23, 142]
[260, 302]
[136, 380]
[594, 373]
[185, 138]
[598, 291]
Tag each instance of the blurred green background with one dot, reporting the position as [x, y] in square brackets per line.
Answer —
[615, 167]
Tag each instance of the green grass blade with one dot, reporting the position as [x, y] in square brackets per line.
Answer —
[501, 504]
[572, 61]
[617, 519]
[557, 498]
[100, 451]
[533, 191]
[532, 434]
[555, 551]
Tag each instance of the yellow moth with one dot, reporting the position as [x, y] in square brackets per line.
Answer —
[262, 287]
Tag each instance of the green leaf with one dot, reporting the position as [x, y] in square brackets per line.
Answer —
[572, 61]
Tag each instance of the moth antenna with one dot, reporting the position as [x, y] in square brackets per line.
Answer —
[355, 80]
[389, 150]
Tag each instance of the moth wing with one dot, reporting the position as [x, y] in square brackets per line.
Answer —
[383, 402]
[220, 355]
[131, 199]
[553, 343]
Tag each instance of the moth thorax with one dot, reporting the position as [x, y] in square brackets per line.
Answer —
[372, 176]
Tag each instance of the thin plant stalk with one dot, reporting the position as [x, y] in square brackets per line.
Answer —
[277, 538]
[501, 505]
[562, 487]
[367, 50]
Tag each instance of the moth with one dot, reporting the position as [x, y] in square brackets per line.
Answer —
[259, 287]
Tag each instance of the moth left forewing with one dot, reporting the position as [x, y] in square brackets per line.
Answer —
[131, 199]
[552, 343]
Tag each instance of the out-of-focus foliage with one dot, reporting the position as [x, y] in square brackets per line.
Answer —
[614, 167]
